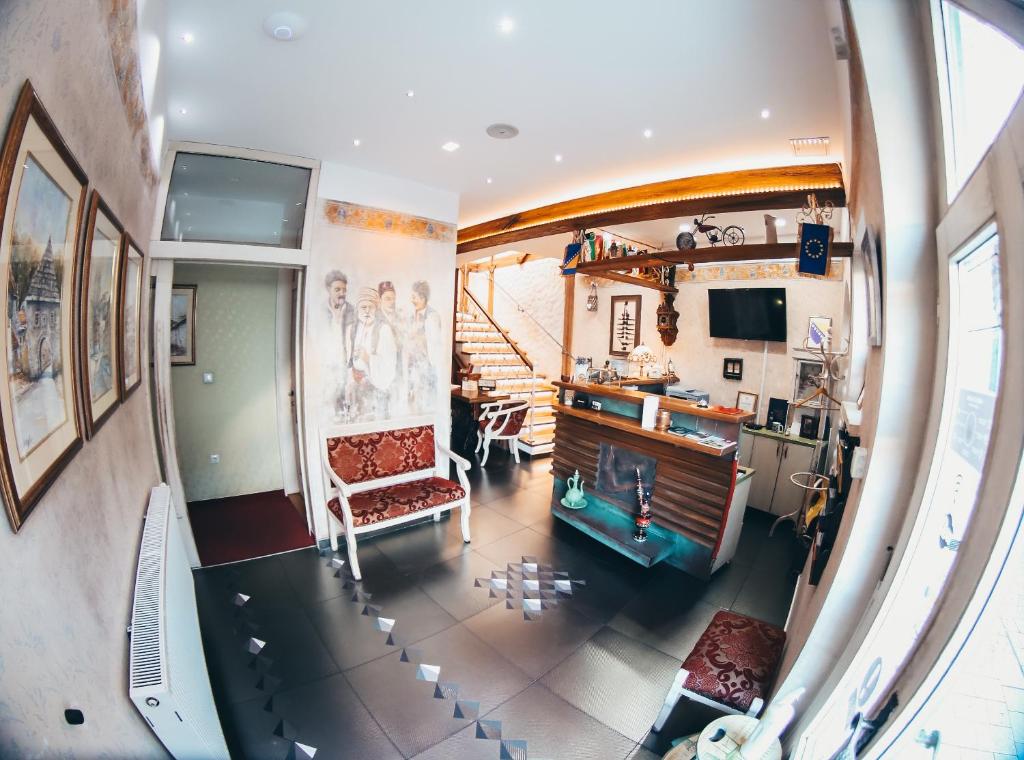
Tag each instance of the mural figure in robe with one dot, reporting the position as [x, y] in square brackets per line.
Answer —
[374, 365]
[341, 324]
[424, 346]
[399, 397]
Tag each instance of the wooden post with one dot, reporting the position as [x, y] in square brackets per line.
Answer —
[570, 299]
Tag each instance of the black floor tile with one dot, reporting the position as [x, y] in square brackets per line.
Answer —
[312, 576]
[724, 586]
[669, 623]
[535, 646]
[550, 726]
[329, 716]
[525, 506]
[249, 730]
[408, 709]
[352, 638]
[450, 584]
[416, 547]
[765, 596]
[262, 579]
[485, 526]
[594, 678]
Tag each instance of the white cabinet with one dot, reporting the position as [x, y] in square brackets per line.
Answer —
[774, 460]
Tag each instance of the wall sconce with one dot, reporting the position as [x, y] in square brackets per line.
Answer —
[592, 298]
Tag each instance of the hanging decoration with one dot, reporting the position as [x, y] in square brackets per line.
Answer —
[668, 317]
[592, 298]
[814, 239]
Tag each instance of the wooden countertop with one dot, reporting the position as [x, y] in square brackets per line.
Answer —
[664, 402]
[476, 399]
[628, 425]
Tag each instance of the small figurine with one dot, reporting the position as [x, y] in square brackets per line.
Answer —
[643, 520]
[574, 498]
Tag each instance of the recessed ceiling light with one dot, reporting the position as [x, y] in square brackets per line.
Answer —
[357, 142]
[284, 26]
[284, 220]
[501, 131]
[188, 38]
[507, 25]
[765, 113]
[558, 158]
[299, 203]
[490, 180]
[684, 228]
[451, 146]
[183, 111]
[780, 222]
[410, 94]
[648, 134]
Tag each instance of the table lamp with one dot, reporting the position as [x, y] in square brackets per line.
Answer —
[642, 355]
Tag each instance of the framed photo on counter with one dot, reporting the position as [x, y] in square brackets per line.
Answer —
[746, 401]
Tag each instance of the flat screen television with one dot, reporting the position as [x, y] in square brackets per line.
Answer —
[747, 313]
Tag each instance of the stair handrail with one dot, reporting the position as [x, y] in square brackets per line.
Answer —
[498, 327]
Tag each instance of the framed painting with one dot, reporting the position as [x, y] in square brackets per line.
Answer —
[101, 263]
[42, 202]
[625, 325]
[129, 322]
[183, 324]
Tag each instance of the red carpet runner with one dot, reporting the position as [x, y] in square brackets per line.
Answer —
[244, 527]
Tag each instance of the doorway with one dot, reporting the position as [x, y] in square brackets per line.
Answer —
[232, 346]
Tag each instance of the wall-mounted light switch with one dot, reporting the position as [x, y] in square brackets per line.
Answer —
[208, 378]
[214, 458]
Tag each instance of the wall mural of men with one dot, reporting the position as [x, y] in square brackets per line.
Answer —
[341, 324]
[398, 402]
[424, 345]
[374, 364]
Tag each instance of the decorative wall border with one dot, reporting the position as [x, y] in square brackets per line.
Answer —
[753, 271]
[345, 214]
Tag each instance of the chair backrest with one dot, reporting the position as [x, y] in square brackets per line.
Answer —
[360, 457]
[504, 417]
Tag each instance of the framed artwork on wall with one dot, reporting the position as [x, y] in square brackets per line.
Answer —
[183, 324]
[129, 322]
[42, 204]
[625, 325]
[98, 309]
[806, 378]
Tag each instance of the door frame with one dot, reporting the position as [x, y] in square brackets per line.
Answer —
[164, 254]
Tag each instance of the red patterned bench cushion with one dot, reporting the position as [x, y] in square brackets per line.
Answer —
[734, 660]
[369, 456]
[513, 423]
[389, 502]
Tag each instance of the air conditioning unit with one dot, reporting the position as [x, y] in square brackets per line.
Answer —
[168, 681]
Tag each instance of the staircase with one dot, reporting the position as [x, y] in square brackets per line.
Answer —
[480, 342]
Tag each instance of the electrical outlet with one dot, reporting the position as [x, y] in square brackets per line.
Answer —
[214, 458]
[208, 378]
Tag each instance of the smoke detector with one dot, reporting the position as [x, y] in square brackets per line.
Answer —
[502, 131]
[284, 26]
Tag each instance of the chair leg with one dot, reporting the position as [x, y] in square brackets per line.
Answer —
[353, 560]
[514, 445]
[465, 509]
[487, 451]
[332, 526]
[670, 700]
[437, 517]
[479, 442]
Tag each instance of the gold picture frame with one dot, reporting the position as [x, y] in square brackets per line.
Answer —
[129, 321]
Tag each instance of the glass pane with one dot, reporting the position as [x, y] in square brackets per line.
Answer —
[972, 384]
[985, 72]
[220, 199]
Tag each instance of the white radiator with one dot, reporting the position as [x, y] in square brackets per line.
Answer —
[168, 681]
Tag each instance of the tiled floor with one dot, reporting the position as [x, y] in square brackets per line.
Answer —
[585, 680]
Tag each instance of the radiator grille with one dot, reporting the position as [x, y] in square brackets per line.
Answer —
[147, 666]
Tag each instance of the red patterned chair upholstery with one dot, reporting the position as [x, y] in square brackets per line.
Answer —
[382, 478]
[731, 667]
[501, 421]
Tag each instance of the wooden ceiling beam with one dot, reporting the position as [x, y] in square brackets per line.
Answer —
[629, 279]
[748, 190]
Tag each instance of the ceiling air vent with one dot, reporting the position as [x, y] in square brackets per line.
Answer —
[810, 146]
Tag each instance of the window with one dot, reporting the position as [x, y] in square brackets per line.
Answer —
[222, 199]
[980, 81]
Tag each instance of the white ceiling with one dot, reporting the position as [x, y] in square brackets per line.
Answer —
[582, 78]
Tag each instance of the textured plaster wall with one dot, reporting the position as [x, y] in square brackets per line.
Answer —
[66, 578]
[537, 286]
[236, 415]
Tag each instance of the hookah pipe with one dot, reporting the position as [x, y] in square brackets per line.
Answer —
[643, 520]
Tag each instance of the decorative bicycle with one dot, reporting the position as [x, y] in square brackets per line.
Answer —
[731, 235]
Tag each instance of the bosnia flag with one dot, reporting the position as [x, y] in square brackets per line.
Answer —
[573, 251]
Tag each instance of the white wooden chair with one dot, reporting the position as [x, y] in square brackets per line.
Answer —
[500, 421]
[382, 478]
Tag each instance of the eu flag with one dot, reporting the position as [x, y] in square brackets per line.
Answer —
[572, 258]
[815, 249]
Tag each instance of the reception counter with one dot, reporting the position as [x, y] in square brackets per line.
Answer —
[691, 475]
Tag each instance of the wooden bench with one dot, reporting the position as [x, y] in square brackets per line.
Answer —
[731, 668]
[383, 478]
